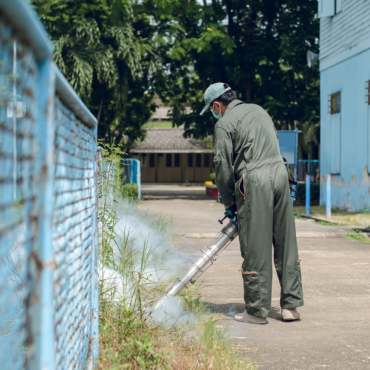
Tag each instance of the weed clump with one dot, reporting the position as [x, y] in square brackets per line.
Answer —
[131, 277]
[358, 235]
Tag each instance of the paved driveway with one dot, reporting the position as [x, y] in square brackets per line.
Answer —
[334, 331]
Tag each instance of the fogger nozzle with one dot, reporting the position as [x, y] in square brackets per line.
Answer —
[204, 261]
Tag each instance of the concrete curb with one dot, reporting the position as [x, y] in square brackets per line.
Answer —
[303, 215]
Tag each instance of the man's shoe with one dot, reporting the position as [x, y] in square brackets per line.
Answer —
[245, 317]
[290, 314]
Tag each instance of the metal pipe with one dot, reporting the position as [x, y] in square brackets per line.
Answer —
[70, 98]
[308, 194]
[328, 196]
[204, 261]
[21, 16]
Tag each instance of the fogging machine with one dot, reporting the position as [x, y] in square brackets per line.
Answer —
[207, 258]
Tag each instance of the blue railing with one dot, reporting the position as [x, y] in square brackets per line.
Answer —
[309, 167]
[48, 205]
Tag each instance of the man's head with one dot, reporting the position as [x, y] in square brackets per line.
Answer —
[217, 97]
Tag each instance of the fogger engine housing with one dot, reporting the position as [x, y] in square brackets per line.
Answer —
[206, 259]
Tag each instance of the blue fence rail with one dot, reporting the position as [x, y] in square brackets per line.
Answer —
[309, 167]
[48, 206]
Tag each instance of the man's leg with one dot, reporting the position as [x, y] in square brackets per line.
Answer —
[285, 243]
[255, 217]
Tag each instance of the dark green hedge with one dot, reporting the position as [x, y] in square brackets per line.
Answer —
[315, 193]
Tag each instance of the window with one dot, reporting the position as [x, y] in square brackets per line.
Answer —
[206, 160]
[151, 160]
[177, 160]
[143, 160]
[329, 8]
[160, 160]
[190, 160]
[338, 6]
[135, 156]
[168, 160]
[335, 132]
[198, 160]
[335, 103]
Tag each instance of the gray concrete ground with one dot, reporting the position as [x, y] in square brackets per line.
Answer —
[334, 330]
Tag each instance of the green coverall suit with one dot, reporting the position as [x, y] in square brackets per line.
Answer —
[250, 172]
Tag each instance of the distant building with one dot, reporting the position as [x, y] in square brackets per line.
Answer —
[345, 101]
[167, 157]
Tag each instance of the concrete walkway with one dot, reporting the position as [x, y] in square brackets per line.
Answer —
[335, 328]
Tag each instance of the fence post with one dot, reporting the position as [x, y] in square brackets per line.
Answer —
[94, 355]
[328, 196]
[308, 194]
[42, 257]
[139, 178]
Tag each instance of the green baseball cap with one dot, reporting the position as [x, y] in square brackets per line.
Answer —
[212, 93]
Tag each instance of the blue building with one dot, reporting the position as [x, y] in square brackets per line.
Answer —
[345, 101]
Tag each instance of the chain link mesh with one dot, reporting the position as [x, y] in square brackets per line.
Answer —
[73, 237]
[18, 206]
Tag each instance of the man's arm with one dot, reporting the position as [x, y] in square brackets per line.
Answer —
[223, 162]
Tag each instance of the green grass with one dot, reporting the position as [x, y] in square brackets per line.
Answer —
[158, 124]
[325, 223]
[129, 338]
[357, 235]
[339, 217]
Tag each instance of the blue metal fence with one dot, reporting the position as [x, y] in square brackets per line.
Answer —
[48, 205]
[309, 167]
[132, 173]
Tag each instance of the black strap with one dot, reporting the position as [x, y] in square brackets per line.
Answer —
[292, 180]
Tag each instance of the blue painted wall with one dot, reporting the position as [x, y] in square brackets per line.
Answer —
[351, 188]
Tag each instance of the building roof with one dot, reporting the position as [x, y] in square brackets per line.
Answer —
[161, 113]
[169, 140]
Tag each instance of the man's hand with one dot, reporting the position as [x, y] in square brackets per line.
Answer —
[233, 208]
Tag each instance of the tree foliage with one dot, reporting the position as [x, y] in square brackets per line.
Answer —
[104, 60]
[118, 53]
[258, 47]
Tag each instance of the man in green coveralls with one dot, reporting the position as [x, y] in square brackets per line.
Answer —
[252, 179]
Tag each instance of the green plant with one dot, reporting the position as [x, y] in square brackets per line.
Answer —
[357, 235]
[301, 193]
[130, 191]
[327, 223]
[212, 177]
[129, 337]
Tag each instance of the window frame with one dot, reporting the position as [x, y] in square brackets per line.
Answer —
[206, 155]
[334, 95]
[160, 160]
[177, 155]
[198, 156]
[143, 159]
[168, 160]
[152, 160]
[190, 162]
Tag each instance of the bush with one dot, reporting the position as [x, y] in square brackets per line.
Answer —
[130, 191]
[212, 177]
[315, 193]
